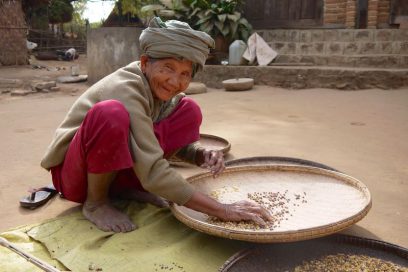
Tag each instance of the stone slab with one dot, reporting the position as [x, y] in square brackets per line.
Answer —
[72, 79]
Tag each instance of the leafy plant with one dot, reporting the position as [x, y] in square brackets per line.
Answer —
[60, 11]
[221, 18]
[217, 18]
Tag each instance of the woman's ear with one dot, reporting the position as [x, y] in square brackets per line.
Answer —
[143, 62]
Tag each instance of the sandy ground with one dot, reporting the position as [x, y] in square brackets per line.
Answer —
[362, 133]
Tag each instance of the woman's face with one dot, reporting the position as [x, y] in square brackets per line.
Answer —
[167, 77]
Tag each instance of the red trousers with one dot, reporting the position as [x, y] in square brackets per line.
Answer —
[101, 145]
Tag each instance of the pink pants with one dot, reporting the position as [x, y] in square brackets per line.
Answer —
[101, 145]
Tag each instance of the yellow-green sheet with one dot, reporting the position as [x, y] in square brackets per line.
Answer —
[161, 243]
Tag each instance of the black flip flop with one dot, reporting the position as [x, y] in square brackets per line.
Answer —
[38, 197]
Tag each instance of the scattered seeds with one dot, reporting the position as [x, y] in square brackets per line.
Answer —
[276, 203]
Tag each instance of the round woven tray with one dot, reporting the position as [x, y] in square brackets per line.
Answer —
[275, 257]
[276, 160]
[334, 201]
[209, 142]
[215, 143]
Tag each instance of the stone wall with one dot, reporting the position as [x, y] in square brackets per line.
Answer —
[110, 48]
[13, 48]
[307, 77]
[386, 48]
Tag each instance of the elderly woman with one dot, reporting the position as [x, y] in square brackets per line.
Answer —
[116, 137]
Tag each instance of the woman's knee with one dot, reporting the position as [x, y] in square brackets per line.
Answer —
[192, 109]
[113, 112]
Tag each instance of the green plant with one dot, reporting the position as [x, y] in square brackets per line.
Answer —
[217, 18]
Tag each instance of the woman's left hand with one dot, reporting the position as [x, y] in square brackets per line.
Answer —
[212, 160]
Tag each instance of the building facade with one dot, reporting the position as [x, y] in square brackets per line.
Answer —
[295, 14]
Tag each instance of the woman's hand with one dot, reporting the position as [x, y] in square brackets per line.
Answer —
[245, 210]
[211, 159]
[238, 211]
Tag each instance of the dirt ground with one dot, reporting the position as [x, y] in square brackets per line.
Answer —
[361, 133]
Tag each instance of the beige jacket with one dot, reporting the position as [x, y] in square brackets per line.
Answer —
[129, 86]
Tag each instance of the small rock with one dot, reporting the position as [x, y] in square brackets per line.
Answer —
[21, 92]
[342, 85]
[55, 89]
[44, 85]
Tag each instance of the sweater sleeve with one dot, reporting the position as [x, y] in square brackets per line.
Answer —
[188, 153]
[153, 171]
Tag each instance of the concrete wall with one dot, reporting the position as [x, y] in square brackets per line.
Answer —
[110, 48]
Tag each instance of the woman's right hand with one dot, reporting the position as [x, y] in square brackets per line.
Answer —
[246, 210]
[238, 211]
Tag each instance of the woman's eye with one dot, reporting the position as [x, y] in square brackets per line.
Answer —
[168, 68]
[186, 74]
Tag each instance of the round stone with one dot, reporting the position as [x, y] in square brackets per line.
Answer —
[196, 88]
[238, 84]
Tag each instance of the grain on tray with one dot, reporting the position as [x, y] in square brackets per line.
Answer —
[349, 263]
[277, 203]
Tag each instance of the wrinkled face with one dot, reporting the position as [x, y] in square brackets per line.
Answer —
[167, 77]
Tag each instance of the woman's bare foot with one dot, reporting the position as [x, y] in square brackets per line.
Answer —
[145, 197]
[107, 218]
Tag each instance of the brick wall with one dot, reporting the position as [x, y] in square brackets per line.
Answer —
[334, 12]
[372, 14]
[351, 14]
[383, 13]
[343, 13]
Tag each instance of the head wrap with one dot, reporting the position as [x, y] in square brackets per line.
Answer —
[175, 39]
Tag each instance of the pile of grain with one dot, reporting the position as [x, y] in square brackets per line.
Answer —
[348, 263]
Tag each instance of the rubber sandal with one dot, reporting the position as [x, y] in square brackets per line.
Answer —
[38, 197]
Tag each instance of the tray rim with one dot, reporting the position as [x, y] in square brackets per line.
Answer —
[282, 236]
[274, 159]
[227, 147]
[176, 161]
[343, 238]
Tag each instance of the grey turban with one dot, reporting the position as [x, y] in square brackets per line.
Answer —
[175, 39]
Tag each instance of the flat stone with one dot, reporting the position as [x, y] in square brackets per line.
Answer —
[363, 35]
[196, 88]
[335, 48]
[21, 92]
[44, 85]
[238, 84]
[55, 89]
[305, 36]
[72, 79]
[346, 35]
[10, 83]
